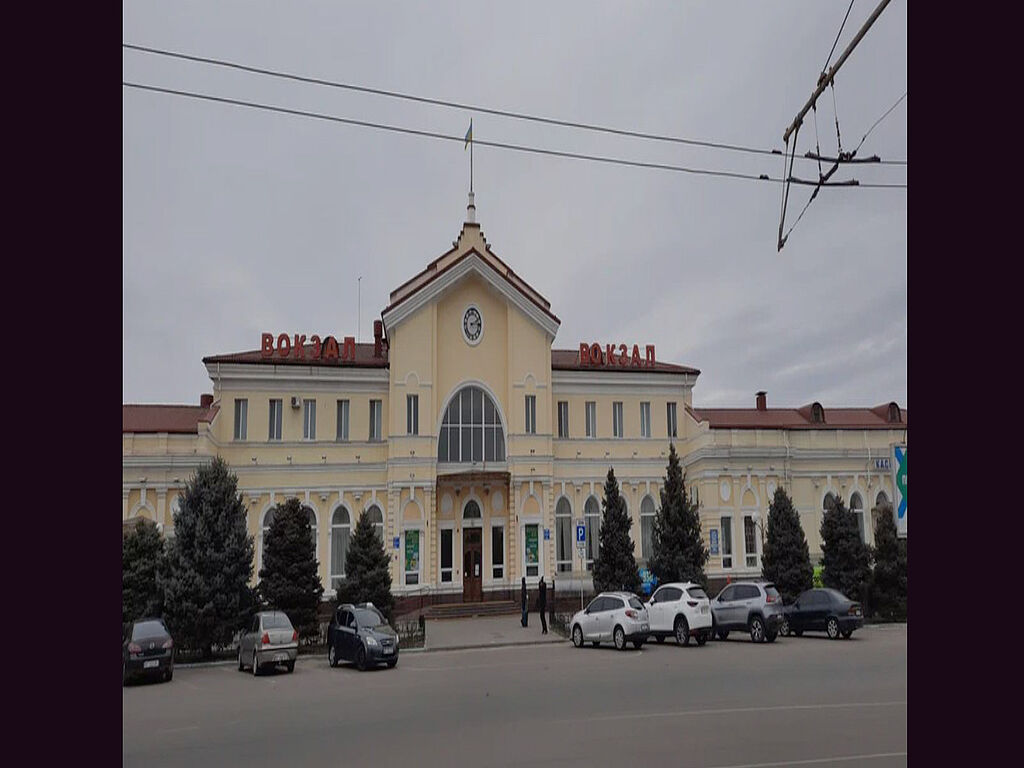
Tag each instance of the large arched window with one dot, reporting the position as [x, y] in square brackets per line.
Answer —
[828, 502]
[472, 511]
[857, 507]
[647, 527]
[471, 429]
[377, 518]
[592, 519]
[341, 526]
[563, 535]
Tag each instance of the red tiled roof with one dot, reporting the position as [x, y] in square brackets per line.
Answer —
[569, 360]
[363, 359]
[175, 419]
[800, 418]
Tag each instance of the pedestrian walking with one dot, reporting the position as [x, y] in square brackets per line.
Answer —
[542, 605]
[525, 614]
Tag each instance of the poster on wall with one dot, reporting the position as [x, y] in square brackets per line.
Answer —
[898, 454]
[412, 551]
[714, 541]
[531, 545]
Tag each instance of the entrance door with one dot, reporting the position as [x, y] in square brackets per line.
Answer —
[472, 565]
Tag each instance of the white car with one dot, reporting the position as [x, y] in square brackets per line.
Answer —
[682, 610]
[617, 616]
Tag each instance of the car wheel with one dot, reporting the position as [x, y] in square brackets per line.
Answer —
[361, 659]
[577, 636]
[638, 644]
[660, 639]
[168, 675]
[682, 630]
[847, 633]
[798, 632]
[392, 664]
[702, 637]
[770, 637]
[723, 634]
[619, 636]
[832, 627]
[332, 656]
[241, 664]
[757, 629]
[784, 628]
[255, 666]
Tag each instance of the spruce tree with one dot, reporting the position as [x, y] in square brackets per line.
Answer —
[845, 558]
[786, 559]
[288, 579]
[889, 578]
[367, 570]
[615, 565]
[677, 548]
[209, 562]
[142, 557]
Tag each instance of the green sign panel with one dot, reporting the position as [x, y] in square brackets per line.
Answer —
[532, 553]
[412, 551]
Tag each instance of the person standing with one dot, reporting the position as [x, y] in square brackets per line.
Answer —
[542, 605]
[525, 614]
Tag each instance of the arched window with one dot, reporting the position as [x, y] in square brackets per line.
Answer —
[268, 518]
[592, 519]
[857, 507]
[472, 511]
[894, 414]
[563, 535]
[471, 429]
[647, 527]
[377, 518]
[312, 526]
[341, 526]
[817, 413]
[829, 502]
[881, 499]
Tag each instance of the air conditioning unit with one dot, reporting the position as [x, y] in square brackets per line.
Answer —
[296, 401]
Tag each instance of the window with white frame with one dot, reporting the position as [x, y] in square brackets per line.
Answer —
[342, 433]
[377, 518]
[412, 414]
[592, 521]
[241, 419]
[726, 526]
[375, 420]
[471, 430]
[341, 528]
[531, 549]
[828, 502]
[446, 554]
[647, 527]
[857, 507]
[645, 419]
[497, 551]
[531, 414]
[617, 419]
[563, 536]
[563, 418]
[412, 557]
[312, 526]
[268, 518]
[274, 428]
[309, 419]
[591, 414]
[750, 541]
[670, 419]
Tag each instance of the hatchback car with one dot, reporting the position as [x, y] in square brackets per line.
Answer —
[825, 610]
[681, 610]
[269, 640]
[753, 606]
[361, 634]
[147, 650]
[616, 616]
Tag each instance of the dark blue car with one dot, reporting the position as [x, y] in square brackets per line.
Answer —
[823, 610]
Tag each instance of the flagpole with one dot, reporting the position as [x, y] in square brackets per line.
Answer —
[471, 160]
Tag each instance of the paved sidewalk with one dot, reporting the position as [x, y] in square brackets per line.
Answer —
[486, 632]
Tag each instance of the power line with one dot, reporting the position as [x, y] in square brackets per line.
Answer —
[459, 105]
[834, 44]
[884, 115]
[481, 142]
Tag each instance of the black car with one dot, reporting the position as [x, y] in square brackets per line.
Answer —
[360, 633]
[823, 610]
[147, 650]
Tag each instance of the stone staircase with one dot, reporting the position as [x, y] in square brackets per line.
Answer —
[469, 610]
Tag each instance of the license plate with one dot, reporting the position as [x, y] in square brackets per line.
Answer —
[644, 628]
[281, 657]
[388, 651]
[151, 664]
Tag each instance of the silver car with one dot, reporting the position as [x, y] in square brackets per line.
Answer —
[269, 640]
[616, 616]
[751, 606]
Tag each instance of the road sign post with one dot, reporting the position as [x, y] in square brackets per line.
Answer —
[581, 548]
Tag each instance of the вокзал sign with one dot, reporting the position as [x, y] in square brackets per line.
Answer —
[593, 355]
[323, 349]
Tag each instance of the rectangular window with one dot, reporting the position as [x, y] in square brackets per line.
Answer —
[342, 421]
[726, 524]
[375, 413]
[591, 410]
[274, 430]
[412, 557]
[750, 542]
[616, 419]
[498, 552]
[645, 419]
[241, 419]
[670, 418]
[446, 554]
[563, 418]
[309, 419]
[531, 549]
[531, 414]
[412, 414]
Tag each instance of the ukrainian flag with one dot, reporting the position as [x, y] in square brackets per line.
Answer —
[469, 133]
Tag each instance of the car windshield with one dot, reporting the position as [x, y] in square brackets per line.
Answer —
[276, 621]
[697, 592]
[367, 617]
[634, 603]
[145, 629]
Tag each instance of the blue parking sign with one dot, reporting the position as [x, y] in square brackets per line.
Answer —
[581, 533]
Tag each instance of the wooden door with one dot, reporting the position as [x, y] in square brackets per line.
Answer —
[472, 564]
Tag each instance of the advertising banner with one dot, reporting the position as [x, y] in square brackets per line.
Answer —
[532, 552]
[412, 551]
[898, 454]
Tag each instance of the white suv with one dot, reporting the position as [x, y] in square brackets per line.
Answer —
[616, 616]
[680, 609]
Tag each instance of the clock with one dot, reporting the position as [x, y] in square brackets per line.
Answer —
[472, 325]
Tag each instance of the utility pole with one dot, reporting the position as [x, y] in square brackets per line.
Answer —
[827, 77]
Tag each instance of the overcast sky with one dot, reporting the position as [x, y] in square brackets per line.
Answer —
[238, 221]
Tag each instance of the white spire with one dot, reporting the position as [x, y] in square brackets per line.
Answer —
[471, 210]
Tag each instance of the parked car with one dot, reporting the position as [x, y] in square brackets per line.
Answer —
[682, 610]
[616, 616]
[750, 606]
[147, 650]
[826, 610]
[269, 640]
[361, 634]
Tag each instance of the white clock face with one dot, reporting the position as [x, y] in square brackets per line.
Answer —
[472, 325]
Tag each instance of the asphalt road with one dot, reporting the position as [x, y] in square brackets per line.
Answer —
[798, 701]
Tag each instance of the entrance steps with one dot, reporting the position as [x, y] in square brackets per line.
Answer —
[469, 610]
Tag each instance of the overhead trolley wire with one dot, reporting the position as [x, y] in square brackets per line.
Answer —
[481, 142]
[459, 105]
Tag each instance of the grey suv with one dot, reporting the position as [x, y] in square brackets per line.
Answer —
[748, 606]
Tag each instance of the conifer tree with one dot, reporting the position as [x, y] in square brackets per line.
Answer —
[209, 562]
[142, 558]
[845, 558]
[289, 580]
[367, 570]
[889, 578]
[677, 548]
[786, 559]
[615, 565]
